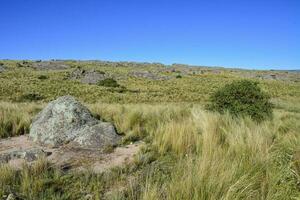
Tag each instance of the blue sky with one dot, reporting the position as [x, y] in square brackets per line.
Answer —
[233, 33]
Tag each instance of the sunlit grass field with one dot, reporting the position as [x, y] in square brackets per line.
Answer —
[189, 153]
[21, 81]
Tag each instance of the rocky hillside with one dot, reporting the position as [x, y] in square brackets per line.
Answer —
[129, 82]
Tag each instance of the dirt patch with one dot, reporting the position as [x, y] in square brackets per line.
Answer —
[67, 157]
[121, 156]
[15, 143]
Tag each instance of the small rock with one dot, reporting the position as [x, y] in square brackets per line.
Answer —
[11, 197]
[4, 158]
[33, 154]
[29, 155]
[88, 197]
[2, 68]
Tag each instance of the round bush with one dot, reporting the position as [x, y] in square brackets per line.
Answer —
[243, 97]
[42, 77]
[109, 82]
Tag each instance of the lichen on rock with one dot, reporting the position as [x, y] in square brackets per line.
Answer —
[65, 120]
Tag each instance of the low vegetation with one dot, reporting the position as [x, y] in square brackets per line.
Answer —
[178, 76]
[16, 82]
[42, 77]
[15, 119]
[108, 82]
[30, 97]
[189, 152]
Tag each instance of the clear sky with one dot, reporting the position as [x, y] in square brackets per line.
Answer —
[260, 34]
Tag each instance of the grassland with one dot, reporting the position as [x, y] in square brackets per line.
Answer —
[189, 153]
[18, 82]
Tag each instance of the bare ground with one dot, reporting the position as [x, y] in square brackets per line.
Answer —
[69, 157]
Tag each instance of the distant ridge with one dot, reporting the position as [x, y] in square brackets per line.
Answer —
[137, 63]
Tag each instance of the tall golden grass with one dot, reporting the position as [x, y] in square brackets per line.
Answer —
[219, 157]
[195, 155]
[15, 119]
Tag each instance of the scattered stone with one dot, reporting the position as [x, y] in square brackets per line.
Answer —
[69, 157]
[199, 72]
[87, 76]
[24, 63]
[148, 75]
[273, 77]
[168, 70]
[89, 197]
[50, 65]
[184, 70]
[216, 71]
[11, 197]
[28, 155]
[267, 75]
[65, 120]
[2, 68]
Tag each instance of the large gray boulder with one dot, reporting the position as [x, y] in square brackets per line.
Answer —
[66, 120]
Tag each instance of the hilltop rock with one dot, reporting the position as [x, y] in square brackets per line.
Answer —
[148, 75]
[269, 75]
[65, 120]
[50, 65]
[87, 76]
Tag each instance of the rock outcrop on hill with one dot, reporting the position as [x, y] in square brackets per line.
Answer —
[87, 76]
[148, 75]
[65, 120]
[50, 65]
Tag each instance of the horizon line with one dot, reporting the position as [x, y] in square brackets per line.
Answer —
[156, 62]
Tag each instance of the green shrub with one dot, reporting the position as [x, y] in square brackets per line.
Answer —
[244, 98]
[42, 77]
[178, 76]
[19, 65]
[100, 72]
[109, 82]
